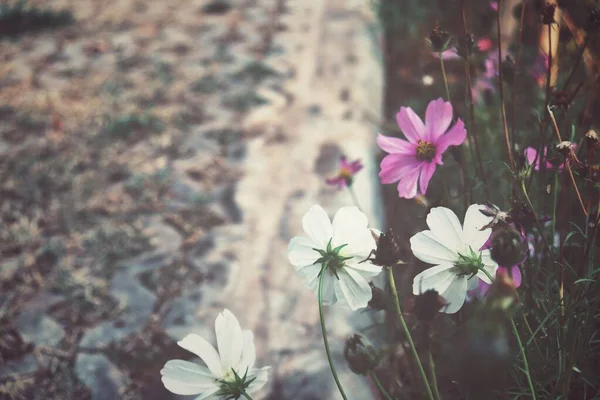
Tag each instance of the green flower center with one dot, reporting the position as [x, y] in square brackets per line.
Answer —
[469, 264]
[425, 150]
[331, 258]
[232, 385]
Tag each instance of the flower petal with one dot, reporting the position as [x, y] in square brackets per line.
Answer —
[454, 137]
[208, 395]
[455, 295]
[317, 226]
[427, 171]
[262, 376]
[395, 166]
[426, 247]
[328, 294]
[200, 347]
[437, 278]
[366, 269]
[489, 265]
[348, 223]
[446, 228]
[184, 377]
[394, 145]
[438, 117]
[229, 339]
[248, 353]
[407, 187]
[300, 251]
[309, 275]
[356, 290]
[410, 124]
[474, 220]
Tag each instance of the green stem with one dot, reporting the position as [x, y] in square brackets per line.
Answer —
[324, 330]
[521, 348]
[354, 198]
[436, 391]
[408, 335]
[445, 78]
[380, 387]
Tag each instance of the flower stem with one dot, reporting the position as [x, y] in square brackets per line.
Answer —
[408, 335]
[524, 356]
[325, 341]
[520, 344]
[354, 198]
[380, 387]
[436, 391]
[444, 76]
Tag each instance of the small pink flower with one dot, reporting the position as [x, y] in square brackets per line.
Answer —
[484, 44]
[533, 159]
[415, 160]
[346, 173]
[494, 5]
[449, 54]
[516, 277]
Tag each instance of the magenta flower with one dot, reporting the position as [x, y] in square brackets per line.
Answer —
[533, 159]
[346, 173]
[415, 160]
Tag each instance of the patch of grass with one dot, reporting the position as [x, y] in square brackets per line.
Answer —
[207, 84]
[129, 126]
[21, 18]
[244, 101]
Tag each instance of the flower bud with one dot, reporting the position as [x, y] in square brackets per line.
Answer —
[379, 300]
[439, 40]
[360, 354]
[508, 245]
[387, 253]
[592, 137]
[547, 15]
[425, 306]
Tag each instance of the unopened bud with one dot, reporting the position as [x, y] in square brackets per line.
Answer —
[565, 147]
[439, 40]
[547, 16]
[592, 136]
[425, 306]
[361, 355]
[508, 246]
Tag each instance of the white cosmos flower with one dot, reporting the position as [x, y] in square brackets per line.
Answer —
[236, 353]
[443, 245]
[348, 283]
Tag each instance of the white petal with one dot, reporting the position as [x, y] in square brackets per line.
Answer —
[474, 221]
[445, 226]
[355, 288]
[360, 245]
[248, 352]
[328, 295]
[309, 275]
[184, 377]
[455, 295]
[229, 339]
[366, 269]
[489, 265]
[472, 282]
[262, 376]
[348, 223]
[208, 395]
[437, 278]
[426, 247]
[200, 347]
[317, 226]
[300, 251]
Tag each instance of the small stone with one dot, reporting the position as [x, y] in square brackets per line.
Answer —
[100, 376]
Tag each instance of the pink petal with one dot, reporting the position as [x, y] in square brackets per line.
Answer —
[426, 173]
[454, 137]
[407, 187]
[410, 124]
[344, 162]
[449, 54]
[394, 145]
[437, 118]
[394, 166]
[516, 275]
[531, 156]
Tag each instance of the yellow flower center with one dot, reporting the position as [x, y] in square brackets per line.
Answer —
[425, 150]
[345, 173]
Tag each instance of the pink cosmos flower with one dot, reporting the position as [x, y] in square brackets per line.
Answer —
[415, 160]
[533, 159]
[346, 173]
[449, 54]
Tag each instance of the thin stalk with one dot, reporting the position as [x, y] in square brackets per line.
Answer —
[472, 132]
[521, 347]
[325, 341]
[567, 164]
[513, 133]
[353, 195]
[524, 356]
[408, 335]
[380, 387]
[549, 74]
[445, 77]
[501, 92]
[436, 391]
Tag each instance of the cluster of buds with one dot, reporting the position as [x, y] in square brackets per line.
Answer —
[439, 40]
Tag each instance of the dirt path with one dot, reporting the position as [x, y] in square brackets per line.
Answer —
[156, 158]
